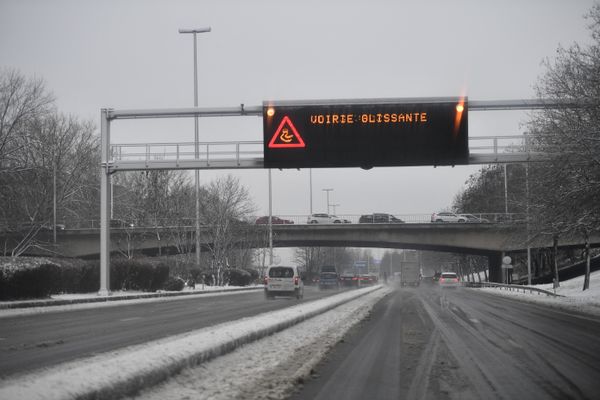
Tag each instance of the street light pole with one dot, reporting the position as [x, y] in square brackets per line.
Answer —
[196, 145]
[270, 220]
[327, 190]
[310, 183]
[505, 191]
[334, 206]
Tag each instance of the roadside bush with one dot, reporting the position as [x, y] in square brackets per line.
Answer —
[237, 277]
[138, 274]
[254, 276]
[174, 284]
[78, 276]
[28, 279]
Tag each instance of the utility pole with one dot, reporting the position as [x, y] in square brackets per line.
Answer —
[310, 190]
[270, 220]
[327, 191]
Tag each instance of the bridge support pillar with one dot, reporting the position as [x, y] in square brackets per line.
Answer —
[495, 267]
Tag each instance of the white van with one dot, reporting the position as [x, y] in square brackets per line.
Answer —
[283, 281]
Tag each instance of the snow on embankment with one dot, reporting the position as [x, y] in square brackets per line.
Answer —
[573, 297]
[125, 371]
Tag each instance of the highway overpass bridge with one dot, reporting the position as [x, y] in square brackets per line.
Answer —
[486, 239]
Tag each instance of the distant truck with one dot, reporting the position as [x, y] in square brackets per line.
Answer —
[410, 274]
[328, 277]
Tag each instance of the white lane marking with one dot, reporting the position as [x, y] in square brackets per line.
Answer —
[129, 319]
[474, 320]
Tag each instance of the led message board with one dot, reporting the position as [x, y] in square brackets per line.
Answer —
[365, 133]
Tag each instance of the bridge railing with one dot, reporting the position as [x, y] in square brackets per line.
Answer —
[185, 151]
[296, 219]
[497, 145]
[236, 153]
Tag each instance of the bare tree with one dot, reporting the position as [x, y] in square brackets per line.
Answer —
[22, 100]
[225, 208]
[566, 188]
[53, 174]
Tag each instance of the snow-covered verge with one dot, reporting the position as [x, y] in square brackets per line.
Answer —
[64, 302]
[270, 368]
[115, 373]
[573, 297]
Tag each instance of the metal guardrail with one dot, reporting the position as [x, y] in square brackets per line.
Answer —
[491, 218]
[511, 288]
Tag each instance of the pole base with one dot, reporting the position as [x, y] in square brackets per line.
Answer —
[104, 292]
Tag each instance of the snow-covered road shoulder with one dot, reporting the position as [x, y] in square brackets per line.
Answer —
[126, 371]
[573, 297]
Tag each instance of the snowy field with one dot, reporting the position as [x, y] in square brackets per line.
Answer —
[575, 299]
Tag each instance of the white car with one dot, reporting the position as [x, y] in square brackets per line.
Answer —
[447, 217]
[326, 219]
[283, 281]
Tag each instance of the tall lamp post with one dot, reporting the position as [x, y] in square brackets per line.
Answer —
[270, 220]
[327, 190]
[196, 146]
[334, 206]
[310, 185]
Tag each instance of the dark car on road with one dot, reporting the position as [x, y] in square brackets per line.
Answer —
[379, 218]
[274, 220]
[329, 278]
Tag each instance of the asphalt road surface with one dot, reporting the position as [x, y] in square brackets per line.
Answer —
[29, 342]
[432, 343]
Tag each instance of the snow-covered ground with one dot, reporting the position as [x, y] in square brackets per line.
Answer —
[145, 297]
[269, 368]
[575, 299]
[112, 373]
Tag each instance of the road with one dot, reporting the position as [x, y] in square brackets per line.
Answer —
[432, 343]
[33, 341]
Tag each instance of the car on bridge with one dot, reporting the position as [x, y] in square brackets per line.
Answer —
[274, 220]
[326, 219]
[121, 223]
[379, 218]
[473, 219]
[447, 217]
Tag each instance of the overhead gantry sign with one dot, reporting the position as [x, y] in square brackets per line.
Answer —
[365, 133]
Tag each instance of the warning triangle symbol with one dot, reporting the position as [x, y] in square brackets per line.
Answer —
[286, 136]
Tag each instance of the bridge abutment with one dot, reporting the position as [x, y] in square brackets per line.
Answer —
[495, 266]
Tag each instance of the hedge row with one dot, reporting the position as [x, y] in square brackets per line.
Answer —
[29, 278]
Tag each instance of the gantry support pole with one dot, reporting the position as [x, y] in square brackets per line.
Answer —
[105, 177]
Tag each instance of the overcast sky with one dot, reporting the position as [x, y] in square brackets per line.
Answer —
[129, 54]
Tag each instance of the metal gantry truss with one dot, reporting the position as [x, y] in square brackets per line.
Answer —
[248, 154]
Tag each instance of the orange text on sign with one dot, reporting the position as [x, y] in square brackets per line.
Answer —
[377, 118]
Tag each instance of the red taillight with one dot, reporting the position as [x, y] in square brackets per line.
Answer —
[296, 280]
[455, 279]
[266, 280]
